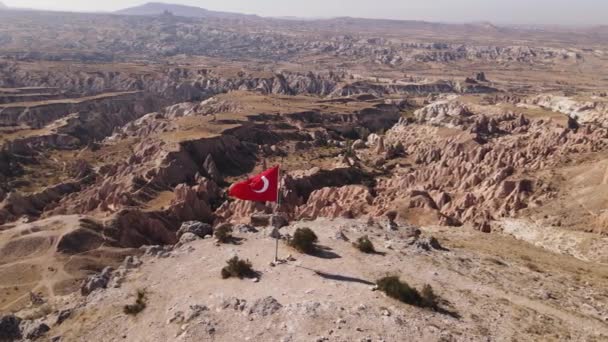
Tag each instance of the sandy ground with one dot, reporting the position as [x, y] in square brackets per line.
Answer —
[496, 288]
[30, 263]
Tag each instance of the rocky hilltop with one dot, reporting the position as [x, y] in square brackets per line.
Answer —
[158, 8]
[456, 182]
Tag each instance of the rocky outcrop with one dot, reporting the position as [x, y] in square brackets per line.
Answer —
[350, 200]
[363, 87]
[475, 182]
[16, 205]
[374, 118]
[9, 328]
[117, 107]
[97, 281]
[197, 228]
[297, 188]
[134, 228]
[265, 306]
[582, 111]
[444, 112]
[156, 167]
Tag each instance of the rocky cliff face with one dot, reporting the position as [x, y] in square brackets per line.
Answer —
[180, 84]
[117, 108]
[582, 111]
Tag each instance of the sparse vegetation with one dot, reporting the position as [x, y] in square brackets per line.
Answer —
[364, 245]
[400, 290]
[139, 305]
[304, 240]
[223, 233]
[237, 268]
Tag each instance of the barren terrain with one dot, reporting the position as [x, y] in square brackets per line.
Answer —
[120, 132]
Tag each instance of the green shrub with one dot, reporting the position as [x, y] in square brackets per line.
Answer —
[364, 245]
[223, 233]
[395, 288]
[304, 240]
[237, 268]
[138, 306]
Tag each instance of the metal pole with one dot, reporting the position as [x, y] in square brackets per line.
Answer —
[278, 207]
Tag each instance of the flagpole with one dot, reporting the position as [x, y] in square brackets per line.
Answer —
[278, 207]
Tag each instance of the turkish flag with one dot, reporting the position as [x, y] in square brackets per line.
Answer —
[261, 188]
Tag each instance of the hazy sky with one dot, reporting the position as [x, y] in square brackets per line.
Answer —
[567, 12]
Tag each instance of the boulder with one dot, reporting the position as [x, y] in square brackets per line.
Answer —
[34, 331]
[131, 262]
[279, 221]
[426, 243]
[372, 139]
[358, 145]
[9, 328]
[245, 228]
[265, 306]
[157, 251]
[62, 316]
[97, 281]
[187, 238]
[197, 228]
[260, 220]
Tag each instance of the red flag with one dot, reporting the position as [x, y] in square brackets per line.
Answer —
[261, 188]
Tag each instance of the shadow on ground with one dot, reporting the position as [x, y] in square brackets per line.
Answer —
[338, 277]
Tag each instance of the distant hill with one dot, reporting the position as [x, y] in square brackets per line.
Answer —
[158, 8]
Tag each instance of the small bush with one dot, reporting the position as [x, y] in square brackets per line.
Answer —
[237, 268]
[364, 245]
[304, 240]
[223, 233]
[139, 306]
[395, 288]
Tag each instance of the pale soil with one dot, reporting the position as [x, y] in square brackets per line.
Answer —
[501, 289]
[29, 261]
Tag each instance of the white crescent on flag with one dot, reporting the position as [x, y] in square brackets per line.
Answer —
[265, 187]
